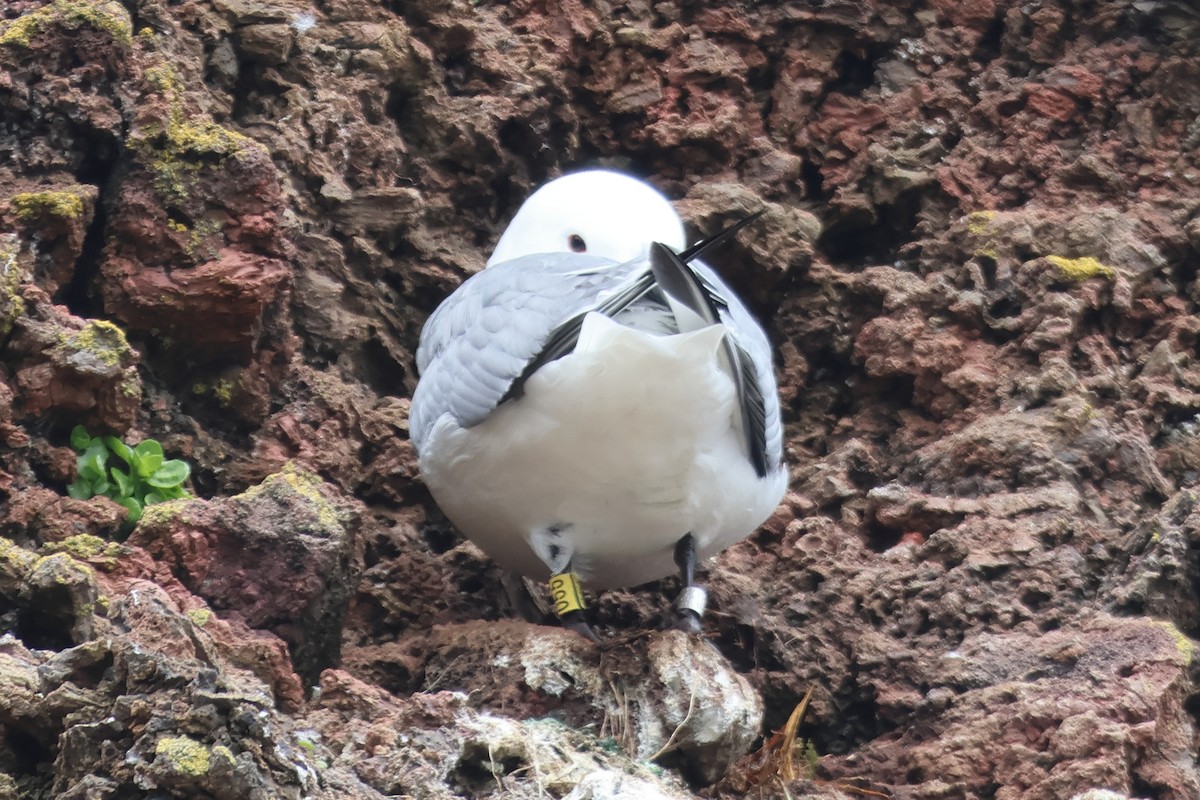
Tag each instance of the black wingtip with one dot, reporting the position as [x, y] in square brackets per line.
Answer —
[679, 281]
[716, 240]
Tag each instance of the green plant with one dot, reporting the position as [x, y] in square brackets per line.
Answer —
[146, 479]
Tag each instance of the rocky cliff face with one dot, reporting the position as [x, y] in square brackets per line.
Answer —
[223, 223]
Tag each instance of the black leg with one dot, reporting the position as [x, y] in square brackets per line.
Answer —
[575, 621]
[689, 608]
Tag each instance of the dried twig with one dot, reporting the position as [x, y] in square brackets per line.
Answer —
[670, 745]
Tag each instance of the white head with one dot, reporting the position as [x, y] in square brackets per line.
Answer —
[598, 212]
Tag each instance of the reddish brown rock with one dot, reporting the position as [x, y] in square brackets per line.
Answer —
[977, 262]
[67, 368]
[283, 556]
[217, 306]
[1049, 714]
[40, 514]
[57, 218]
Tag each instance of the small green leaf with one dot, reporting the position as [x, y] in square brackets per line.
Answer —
[171, 473]
[123, 481]
[134, 508]
[91, 463]
[147, 457]
[81, 467]
[80, 439]
[103, 487]
[123, 451]
[80, 489]
[155, 497]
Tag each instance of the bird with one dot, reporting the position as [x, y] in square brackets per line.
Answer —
[596, 407]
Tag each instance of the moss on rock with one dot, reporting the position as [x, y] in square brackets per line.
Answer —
[12, 275]
[178, 151]
[296, 480]
[184, 755]
[30, 206]
[199, 616]
[100, 341]
[1081, 269]
[87, 547]
[106, 15]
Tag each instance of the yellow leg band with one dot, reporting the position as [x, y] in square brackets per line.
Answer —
[566, 593]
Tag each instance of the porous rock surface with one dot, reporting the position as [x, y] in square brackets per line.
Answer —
[223, 223]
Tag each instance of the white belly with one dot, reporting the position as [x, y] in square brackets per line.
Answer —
[625, 446]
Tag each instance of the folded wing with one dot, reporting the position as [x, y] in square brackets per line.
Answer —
[503, 324]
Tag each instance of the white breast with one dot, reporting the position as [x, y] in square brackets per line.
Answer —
[625, 445]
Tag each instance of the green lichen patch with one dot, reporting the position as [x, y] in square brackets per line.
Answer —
[32, 206]
[180, 149]
[979, 223]
[184, 755]
[221, 389]
[85, 547]
[15, 561]
[107, 16]
[297, 481]
[102, 341]
[199, 616]
[1081, 269]
[1183, 645]
[200, 243]
[12, 276]
[64, 570]
[159, 514]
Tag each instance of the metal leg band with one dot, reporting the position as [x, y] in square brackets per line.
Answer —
[692, 598]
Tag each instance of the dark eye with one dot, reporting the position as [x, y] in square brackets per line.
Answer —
[578, 245]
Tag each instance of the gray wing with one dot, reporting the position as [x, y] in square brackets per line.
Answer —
[752, 340]
[488, 335]
[504, 323]
[747, 352]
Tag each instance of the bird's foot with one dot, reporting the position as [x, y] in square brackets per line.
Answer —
[686, 620]
[574, 621]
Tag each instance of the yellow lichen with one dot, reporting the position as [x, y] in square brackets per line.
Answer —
[103, 15]
[185, 755]
[85, 546]
[15, 559]
[979, 222]
[12, 275]
[66, 569]
[1185, 646]
[33, 205]
[206, 136]
[980, 225]
[102, 339]
[176, 151]
[201, 235]
[157, 514]
[199, 616]
[1081, 269]
[223, 390]
[295, 479]
[224, 753]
